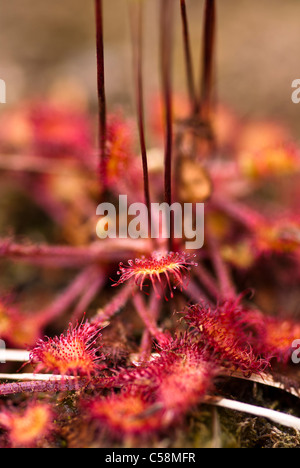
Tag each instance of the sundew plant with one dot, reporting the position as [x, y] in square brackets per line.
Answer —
[134, 340]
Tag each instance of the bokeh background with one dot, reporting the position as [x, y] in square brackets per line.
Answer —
[49, 45]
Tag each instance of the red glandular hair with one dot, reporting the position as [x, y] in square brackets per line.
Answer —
[28, 426]
[75, 353]
[275, 335]
[157, 394]
[157, 268]
[187, 375]
[126, 413]
[226, 332]
[120, 153]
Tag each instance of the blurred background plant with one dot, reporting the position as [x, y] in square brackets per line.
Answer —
[50, 188]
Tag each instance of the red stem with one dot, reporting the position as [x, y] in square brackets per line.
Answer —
[68, 256]
[137, 44]
[207, 281]
[148, 320]
[227, 288]
[208, 59]
[239, 212]
[65, 385]
[188, 58]
[146, 344]
[195, 293]
[68, 297]
[95, 285]
[101, 90]
[113, 307]
[166, 68]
